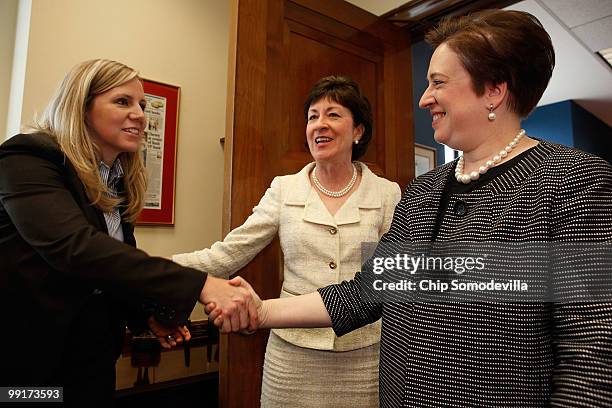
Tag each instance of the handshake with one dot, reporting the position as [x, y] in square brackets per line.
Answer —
[232, 305]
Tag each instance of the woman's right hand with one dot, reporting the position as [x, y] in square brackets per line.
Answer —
[215, 313]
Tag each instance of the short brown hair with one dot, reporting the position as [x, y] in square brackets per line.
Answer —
[497, 46]
[347, 93]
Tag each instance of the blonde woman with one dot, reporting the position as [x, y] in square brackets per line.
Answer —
[70, 191]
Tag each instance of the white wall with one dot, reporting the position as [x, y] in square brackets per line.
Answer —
[8, 20]
[181, 42]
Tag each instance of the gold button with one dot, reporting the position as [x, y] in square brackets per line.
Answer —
[333, 231]
[332, 265]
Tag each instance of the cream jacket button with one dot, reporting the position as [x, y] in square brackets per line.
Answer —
[332, 265]
[333, 231]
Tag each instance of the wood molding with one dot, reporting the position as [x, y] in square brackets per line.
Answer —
[352, 16]
[421, 15]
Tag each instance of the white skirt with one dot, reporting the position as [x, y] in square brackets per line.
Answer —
[294, 376]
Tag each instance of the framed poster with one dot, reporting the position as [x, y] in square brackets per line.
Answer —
[424, 159]
[159, 151]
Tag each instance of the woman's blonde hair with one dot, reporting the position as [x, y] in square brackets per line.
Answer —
[64, 119]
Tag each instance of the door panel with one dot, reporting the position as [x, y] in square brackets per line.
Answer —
[282, 47]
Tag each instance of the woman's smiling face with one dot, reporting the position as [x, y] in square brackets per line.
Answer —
[330, 131]
[116, 119]
[457, 111]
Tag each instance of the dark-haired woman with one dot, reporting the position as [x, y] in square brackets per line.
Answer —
[537, 212]
[322, 215]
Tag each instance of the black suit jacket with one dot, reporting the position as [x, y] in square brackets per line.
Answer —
[56, 258]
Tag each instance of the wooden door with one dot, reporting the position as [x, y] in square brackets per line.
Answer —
[280, 48]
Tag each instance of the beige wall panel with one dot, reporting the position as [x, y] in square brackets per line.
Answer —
[8, 21]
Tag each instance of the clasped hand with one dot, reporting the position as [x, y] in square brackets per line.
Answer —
[247, 315]
[232, 305]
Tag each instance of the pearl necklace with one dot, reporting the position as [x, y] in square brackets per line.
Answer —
[475, 175]
[330, 193]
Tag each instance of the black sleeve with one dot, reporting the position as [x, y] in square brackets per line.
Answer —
[36, 198]
[583, 314]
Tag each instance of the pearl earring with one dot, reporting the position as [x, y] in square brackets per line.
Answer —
[492, 114]
[356, 141]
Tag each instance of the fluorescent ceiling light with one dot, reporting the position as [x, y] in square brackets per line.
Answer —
[606, 54]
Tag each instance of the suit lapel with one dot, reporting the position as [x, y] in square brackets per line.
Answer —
[367, 196]
[301, 193]
[94, 215]
[316, 212]
[426, 202]
[126, 227]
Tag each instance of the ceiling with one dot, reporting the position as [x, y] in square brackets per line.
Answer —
[578, 29]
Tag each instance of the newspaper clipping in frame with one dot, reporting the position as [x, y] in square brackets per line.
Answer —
[153, 149]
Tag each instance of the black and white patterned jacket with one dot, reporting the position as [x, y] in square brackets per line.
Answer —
[487, 354]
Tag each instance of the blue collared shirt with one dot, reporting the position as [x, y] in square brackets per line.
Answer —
[111, 176]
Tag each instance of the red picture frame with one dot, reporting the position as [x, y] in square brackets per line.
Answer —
[159, 152]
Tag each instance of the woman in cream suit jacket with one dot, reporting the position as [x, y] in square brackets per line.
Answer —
[322, 215]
